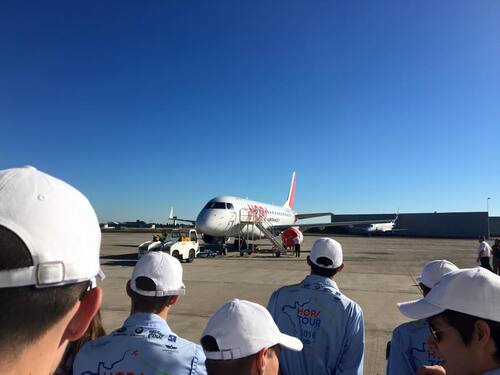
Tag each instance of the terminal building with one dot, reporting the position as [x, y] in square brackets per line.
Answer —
[436, 224]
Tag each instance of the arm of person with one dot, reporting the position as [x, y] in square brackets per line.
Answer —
[398, 362]
[198, 364]
[271, 305]
[351, 362]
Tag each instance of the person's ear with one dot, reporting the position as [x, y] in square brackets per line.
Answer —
[341, 267]
[87, 308]
[173, 300]
[129, 290]
[261, 360]
[482, 332]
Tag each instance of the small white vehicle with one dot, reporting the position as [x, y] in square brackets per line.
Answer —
[180, 243]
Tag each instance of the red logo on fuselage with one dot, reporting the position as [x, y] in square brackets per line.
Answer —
[256, 212]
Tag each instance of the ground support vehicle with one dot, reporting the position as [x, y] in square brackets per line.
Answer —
[180, 243]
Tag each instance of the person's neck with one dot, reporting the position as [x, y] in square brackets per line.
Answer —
[490, 365]
[41, 357]
[162, 314]
[324, 277]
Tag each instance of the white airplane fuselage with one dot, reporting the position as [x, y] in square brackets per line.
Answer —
[228, 216]
[373, 228]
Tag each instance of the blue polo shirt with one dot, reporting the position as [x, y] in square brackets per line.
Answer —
[330, 325]
[409, 350]
[144, 345]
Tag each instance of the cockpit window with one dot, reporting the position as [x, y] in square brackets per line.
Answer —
[221, 205]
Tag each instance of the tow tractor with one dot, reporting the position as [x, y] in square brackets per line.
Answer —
[180, 243]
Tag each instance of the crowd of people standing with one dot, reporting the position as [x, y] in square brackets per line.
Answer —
[51, 324]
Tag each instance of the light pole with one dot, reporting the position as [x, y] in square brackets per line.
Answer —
[488, 214]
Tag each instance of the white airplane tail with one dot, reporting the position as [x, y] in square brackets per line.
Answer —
[291, 194]
[171, 216]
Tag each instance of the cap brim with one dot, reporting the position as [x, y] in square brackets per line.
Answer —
[419, 309]
[290, 342]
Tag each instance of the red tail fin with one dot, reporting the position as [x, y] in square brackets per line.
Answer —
[291, 194]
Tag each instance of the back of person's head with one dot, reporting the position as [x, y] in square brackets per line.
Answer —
[481, 238]
[432, 273]
[326, 257]
[49, 253]
[156, 279]
[242, 338]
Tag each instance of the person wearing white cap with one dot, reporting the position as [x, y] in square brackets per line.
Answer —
[484, 253]
[463, 312]
[49, 255]
[408, 347]
[145, 344]
[330, 325]
[242, 338]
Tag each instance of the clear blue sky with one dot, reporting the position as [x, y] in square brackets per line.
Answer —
[378, 105]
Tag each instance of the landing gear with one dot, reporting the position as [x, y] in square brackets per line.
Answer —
[240, 245]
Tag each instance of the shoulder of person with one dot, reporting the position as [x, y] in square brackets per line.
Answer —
[286, 288]
[413, 326]
[351, 305]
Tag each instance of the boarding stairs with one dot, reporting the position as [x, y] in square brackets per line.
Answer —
[249, 220]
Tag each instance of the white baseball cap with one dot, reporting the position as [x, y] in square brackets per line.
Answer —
[164, 270]
[56, 223]
[473, 291]
[327, 248]
[433, 271]
[242, 328]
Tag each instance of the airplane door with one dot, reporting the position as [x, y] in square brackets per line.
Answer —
[231, 220]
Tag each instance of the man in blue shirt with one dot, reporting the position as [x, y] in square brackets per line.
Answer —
[329, 324]
[145, 344]
[409, 350]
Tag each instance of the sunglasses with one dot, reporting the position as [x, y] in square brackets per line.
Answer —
[435, 333]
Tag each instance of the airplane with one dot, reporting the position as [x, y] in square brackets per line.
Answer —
[230, 216]
[374, 228]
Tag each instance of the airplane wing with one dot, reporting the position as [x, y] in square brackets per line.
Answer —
[313, 214]
[305, 227]
[184, 220]
[175, 218]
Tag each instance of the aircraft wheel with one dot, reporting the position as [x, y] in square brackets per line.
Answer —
[278, 254]
[241, 253]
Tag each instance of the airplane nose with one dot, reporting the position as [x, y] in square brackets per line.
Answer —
[207, 223]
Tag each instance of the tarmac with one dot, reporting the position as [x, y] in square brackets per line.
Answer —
[378, 273]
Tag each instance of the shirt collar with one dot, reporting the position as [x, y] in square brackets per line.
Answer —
[315, 279]
[147, 320]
